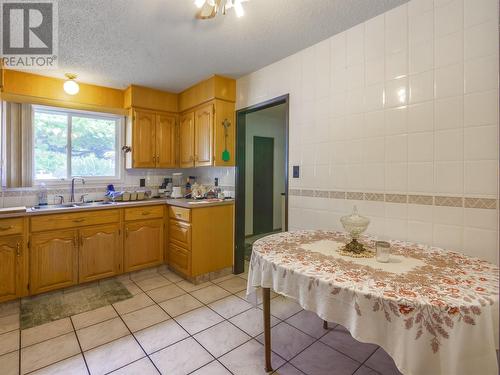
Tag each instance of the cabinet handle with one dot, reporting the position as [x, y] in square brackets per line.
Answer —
[146, 213]
[178, 215]
[80, 220]
[18, 249]
[75, 240]
[7, 228]
[126, 232]
[81, 239]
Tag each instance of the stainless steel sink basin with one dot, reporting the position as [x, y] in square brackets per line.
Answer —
[71, 205]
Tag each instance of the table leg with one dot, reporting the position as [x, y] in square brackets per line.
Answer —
[266, 301]
[325, 324]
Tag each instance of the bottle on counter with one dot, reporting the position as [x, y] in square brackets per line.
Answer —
[217, 190]
[42, 195]
[187, 193]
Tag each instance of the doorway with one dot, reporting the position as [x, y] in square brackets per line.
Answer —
[261, 175]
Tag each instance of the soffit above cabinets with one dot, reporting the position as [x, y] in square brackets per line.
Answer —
[160, 44]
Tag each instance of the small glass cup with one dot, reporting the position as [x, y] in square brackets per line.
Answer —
[383, 251]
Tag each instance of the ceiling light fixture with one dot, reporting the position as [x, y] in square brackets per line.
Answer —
[70, 86]
[210, 8]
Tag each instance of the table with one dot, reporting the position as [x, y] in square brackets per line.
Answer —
[434, 311]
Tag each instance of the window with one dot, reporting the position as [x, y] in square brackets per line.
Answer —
[70, 143]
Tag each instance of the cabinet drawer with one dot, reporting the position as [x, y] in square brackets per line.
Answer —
[179, 259]
[180, 233]
[179, 213]
[74, 219]
[141, 213]
[11, 226]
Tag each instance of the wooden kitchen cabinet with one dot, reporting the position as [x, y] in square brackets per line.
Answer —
[152, 138]
[11, 269]
[166, 141]
[196, 137]
[143, 244]
[143, 139]
[99, 252]
[203, 136]
[53, 260]
[200, 239]
[186, 140]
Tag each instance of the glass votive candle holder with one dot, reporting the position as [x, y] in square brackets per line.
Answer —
[383, 251]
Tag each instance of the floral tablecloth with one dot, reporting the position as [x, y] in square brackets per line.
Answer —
[434, 311]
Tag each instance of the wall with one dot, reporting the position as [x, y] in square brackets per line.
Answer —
[265, 123]
[398, 115]
[130, 182]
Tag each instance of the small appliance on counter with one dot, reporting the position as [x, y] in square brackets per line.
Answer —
[177, 182]
[165, 190]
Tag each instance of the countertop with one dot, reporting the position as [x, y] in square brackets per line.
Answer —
[185, 203]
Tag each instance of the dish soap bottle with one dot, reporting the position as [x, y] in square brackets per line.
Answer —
[42, 195]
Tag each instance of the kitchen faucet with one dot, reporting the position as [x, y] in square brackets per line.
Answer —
[72, 196]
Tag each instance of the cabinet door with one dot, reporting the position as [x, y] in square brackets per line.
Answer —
[186, 140]
[53, 260]
[143, 139]
[10, 267]
[165, 141]
[179, 259]
[143, 244]
[99, 253]
[203, 136]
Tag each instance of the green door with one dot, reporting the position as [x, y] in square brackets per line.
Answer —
[263, 174]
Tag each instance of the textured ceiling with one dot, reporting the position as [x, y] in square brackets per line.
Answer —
[159, 43]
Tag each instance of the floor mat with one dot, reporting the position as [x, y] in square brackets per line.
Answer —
[48, 307]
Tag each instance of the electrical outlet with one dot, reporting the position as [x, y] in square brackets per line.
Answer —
[296, 171]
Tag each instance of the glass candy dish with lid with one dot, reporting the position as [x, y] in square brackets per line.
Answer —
[354, 224]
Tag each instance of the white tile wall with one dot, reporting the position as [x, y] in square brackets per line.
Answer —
[154, 178]
[406, 102]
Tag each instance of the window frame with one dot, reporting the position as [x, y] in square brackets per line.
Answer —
[70, 113]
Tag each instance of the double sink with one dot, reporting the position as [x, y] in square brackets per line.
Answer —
[71, 205]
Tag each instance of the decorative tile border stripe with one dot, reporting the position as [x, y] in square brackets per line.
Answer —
[487, 203]
[396, 198]
[337, 194]
[427, 200]
[321, 194]
[421, 199]
[355, 196]
[376, 197]
[449, 201]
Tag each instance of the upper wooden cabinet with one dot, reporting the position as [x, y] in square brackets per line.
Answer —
[186, 140]
[210, 104]
[151, 137]
[205, 133]
[143, 139]
[166, 141]
[203, 136]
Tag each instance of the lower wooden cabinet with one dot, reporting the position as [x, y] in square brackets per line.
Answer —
[53, 260]
[11, 252]
[144, 243]
[179, 259]
[99, 252]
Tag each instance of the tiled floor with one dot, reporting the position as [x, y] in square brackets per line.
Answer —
[173, 327]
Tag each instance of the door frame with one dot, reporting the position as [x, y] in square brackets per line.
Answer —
[239, 226]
